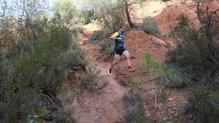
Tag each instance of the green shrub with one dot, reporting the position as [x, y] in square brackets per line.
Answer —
[216, 81]
[47, 60]
[107, 46]
[15, 101]
[191, 56]
[110, 14]
[150, 62]
[89, 80]
[96, 35]
[162, 95]
[135, 112]
[150, 26]
[34, 69]
[194, 61]
[182, 2]
[174, 78]
[203, 106]
[134, 83]
[65, 117]
[165, 73]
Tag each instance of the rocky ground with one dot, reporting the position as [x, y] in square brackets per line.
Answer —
[106, 104]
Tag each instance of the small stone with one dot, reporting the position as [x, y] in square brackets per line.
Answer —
[170, 99]
[103, 81]
[164, 118]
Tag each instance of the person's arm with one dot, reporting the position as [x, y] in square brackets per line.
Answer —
[112, 37]
[115, 36]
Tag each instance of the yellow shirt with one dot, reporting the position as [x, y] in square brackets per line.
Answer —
[116, 34]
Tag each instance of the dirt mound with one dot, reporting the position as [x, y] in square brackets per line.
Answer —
[104, 106]
[168, 17]
[213, 5]
[137, 43]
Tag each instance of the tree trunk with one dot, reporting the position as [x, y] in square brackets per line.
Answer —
[131, 24]
[207, 22]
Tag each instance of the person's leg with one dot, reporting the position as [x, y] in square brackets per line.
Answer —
[115, 61]
[126, 54]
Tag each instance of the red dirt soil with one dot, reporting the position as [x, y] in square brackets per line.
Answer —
[167, 19]
[106, 105]
[137, 43]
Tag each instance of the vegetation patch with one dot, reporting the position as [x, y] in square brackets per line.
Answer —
[135, 112]
[150, 26]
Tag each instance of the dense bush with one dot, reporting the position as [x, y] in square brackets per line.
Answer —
[194, 60]
[45, 60]
[34, 66]
[203, 106]
[135, 112]
[174, 77]
[110, 14]
[191, 55]
[96, 35]
[15, 104]
[107, 46]
[150, 26]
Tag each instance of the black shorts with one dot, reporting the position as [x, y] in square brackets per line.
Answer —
[119, 51]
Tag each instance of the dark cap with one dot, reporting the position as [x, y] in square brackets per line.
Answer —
[121, 25]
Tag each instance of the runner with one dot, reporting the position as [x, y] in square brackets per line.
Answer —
[120, 50]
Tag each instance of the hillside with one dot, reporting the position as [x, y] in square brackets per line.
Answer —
[107, 104]
[55, 58]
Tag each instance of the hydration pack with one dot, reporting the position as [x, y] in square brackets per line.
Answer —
[119, 44]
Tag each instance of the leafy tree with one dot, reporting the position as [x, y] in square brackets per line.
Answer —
[195, 59]
[67, 10]
[111, 13]
[37, 54]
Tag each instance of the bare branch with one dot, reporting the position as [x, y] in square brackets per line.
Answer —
[155, 99]
[133, 3]
[198, 11]
[132, 25]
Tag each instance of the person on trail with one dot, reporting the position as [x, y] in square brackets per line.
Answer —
[120, 50]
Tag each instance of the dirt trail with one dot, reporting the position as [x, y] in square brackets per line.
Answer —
[105, 105]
